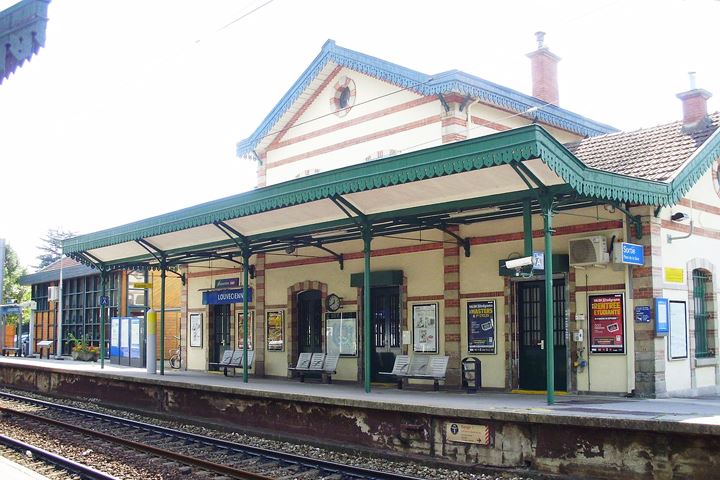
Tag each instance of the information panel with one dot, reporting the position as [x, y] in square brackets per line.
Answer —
[607, 323]
[481, 326]
[135, 338]
[678, 343]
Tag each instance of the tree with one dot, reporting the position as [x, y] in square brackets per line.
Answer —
[52, 246]
[13, 292]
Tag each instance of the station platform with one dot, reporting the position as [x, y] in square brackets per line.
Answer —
[598, 436]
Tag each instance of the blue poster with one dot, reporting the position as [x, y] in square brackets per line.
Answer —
[481, 326]
[642, 314]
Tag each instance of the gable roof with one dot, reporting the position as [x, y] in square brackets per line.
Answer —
[71, 269]
[655, 153]
[453, 81]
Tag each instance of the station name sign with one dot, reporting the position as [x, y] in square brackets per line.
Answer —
[220, 297]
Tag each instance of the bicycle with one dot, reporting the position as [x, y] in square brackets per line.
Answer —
[176, 356]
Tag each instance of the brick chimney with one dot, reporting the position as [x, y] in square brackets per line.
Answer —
[544, 72]
[694, 103]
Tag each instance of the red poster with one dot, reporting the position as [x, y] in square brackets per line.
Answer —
[607, 333]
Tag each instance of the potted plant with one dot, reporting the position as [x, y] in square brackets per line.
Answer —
[82, 351]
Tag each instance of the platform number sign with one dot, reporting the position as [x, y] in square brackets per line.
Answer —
[104, 300]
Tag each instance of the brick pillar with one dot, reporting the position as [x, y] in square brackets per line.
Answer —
[259, 365]
[647, 284]
[454, 123]
[451, 299]
[262, 171]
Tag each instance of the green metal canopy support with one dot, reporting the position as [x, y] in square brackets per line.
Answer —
[103, 315]
[246, 278]
[163, 269]
[367, 238]
[547, 203]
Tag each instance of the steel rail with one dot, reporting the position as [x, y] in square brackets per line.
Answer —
[327, 467]
[187, 460]
[85, 472]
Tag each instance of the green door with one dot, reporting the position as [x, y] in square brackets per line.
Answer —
[219, 333]
[531, 324]
[309, 308]
[385, 315]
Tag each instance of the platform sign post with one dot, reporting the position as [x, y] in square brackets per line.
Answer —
[104, 308]
[151, 349]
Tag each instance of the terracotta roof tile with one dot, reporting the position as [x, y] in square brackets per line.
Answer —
[651, 153]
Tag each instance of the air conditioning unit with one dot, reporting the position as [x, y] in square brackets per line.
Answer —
[588, 251]
[53, 294]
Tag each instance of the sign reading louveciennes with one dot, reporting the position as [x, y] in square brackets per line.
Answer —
[481, 326]
[219, 297]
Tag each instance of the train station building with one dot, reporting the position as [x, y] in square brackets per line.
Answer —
[399, 213]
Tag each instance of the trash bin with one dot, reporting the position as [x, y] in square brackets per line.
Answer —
[471, 374]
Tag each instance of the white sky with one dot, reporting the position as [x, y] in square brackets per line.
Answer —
[125, 114]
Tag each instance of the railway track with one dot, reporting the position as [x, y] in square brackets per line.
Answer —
[187, 454]
[46, 463]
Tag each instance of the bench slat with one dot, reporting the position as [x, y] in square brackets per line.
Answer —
[331, 361]
[317, 362]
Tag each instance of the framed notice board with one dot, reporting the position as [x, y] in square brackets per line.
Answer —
[678, 337]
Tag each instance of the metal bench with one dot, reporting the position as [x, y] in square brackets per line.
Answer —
[316, 363]
[422, 367]
[233, 359]
[6, 351]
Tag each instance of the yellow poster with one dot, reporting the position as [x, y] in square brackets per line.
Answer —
[674, 275]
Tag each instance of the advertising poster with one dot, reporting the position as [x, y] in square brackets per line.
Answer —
[425, 327]
[607, 326]
[481, 326]
[251, 326]
[275, 330]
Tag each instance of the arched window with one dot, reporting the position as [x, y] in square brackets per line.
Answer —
[703, 297]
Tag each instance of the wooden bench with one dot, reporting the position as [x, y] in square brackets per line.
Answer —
[422, 367]
[46, 346]
[233, 359]
[6, 351]
[316, 363]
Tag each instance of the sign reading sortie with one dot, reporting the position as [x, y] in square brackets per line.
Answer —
[219, 297]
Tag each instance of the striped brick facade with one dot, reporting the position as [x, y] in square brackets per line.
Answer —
[451, 306]
[646, 285]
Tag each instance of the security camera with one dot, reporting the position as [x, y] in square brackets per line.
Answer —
[519, 262]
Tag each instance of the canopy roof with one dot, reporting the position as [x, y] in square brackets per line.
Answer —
[431, 188]
[22, 33]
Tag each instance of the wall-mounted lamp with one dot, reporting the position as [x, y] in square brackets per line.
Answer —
[680, 217]
[609, 207]
[290, 249]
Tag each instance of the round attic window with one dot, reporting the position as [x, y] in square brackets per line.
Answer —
[343, 97]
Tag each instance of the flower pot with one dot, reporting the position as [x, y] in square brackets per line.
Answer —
[84, 356]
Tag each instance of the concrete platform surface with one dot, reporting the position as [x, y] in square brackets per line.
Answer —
[697, 410]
